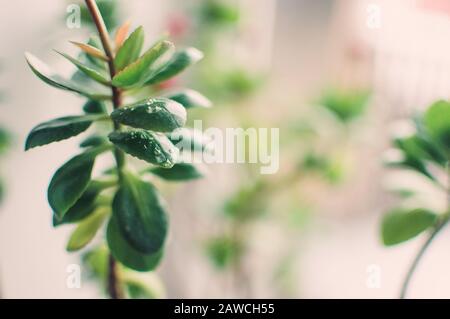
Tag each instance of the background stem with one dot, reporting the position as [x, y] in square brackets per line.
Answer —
[114, 288]
[419, 256]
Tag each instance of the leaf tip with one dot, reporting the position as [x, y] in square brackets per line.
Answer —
[195, 54]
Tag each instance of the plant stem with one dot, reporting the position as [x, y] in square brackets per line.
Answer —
[114, 290]
[444, 220]
[113, 282]
[419, 256]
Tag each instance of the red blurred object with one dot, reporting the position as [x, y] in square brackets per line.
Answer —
[167, 84]
[442, 6]
[178, 24]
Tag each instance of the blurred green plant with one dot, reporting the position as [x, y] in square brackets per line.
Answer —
[215, 12]
[120, 197]
[345, 104]
[5, 139]
[110, 11]
[424, 148]
[256, 199]
[220, 77]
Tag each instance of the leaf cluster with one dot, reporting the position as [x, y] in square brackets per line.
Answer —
[125, 201]
[424, 148]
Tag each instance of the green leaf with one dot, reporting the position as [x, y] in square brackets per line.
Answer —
[42, 71]
[5, 140]
[345, 105]
[58, 129]
[148, 146]
[89, 71]
[248, 203]
[179, 172]
[137, 290]
[177, 64]
[86, 230]
[94, 140]
[190, 98]
[95, 42]
[421, 148]
[158, 114]
[437, 122]
[145, 67]
[127, 254]
[219, 12]
[143, 285]
[96, 262]
[223, 251]
[413, 156]
[141, 214]
[94, 107]
[401, 225]
[91, 53]
[130, 50]
[84, 206]
[71, 180]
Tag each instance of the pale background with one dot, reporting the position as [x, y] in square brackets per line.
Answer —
[410, 68]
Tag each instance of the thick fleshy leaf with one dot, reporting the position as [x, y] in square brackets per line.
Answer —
[42, 71]
[86, 230]
[121, 34]
[145, 67]
[82, 208]
[71, 180]
[127, 254]
[401, 225]
[177, 64]
[179, 172]
[94, 107]
[159, 115]
[437, 122]
[190, 98]
[94, 140]
[91, 50]
[89, 71]
[58, 129]
[130, 50]
[86, 204]
[141, 214]
[148, 146]
[95, 42]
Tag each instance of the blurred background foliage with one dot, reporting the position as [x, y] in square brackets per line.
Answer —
[336, 88]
